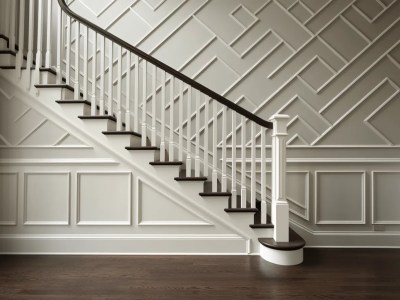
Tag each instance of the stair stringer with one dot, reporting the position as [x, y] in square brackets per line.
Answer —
[44, 102]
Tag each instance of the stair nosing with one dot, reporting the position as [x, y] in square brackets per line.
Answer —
[240, 210]
[190, 178]
[105, 117]
[142, 148]
[121, 133]
[166, 163]
[63, 86]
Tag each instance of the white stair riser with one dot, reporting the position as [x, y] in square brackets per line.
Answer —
[7, 60]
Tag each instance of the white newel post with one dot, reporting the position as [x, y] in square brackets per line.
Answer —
[280, 206]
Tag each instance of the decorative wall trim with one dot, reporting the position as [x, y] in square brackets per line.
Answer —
[363, 201]
[26, 191]
[59, 161]
[373, 200]
[15, 221]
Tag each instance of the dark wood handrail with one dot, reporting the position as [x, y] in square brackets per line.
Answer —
[240, 110]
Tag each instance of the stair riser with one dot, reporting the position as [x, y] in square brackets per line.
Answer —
[99, 125]
[122, 141]
[241, 219]
[75, 109]
[142, 157]
[47, 78]
[54, 93]
[167, 171]
[217, 203]
[7, 60]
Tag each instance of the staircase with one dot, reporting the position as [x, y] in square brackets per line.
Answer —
[156, 116]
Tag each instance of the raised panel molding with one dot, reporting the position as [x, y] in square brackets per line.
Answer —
[47, 198]
[104, 198]
[8, 198]
[339, 197]
[385, 195]
[154, 208]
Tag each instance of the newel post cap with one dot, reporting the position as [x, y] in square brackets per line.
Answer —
[280, 124]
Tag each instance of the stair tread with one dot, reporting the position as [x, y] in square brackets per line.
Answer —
[122, 133]
[8, 51]
[166, 163]
[73, 102]
[295, 242]
[182, 176]
[105, 117]
[65, 86]
[247, 209]
[212, 194]
[268, 225]
[7, 67]
[142, 148]
[50, 70]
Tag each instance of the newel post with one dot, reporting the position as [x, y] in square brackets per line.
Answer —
[280, 206]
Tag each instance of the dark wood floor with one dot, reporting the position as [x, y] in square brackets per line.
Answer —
[325, 274]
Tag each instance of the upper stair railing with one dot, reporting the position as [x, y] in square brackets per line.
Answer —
[188, 121]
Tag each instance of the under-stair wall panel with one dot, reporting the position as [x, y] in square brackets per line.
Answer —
[333, 66]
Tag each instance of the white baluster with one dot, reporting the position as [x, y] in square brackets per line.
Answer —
[189, 133]
[144, 104]
[21, 38]
[102, 75]
[262, 179]
[233, 188]
[119, 89]
[77, 58]
[171, 118]
[7, 18]
[39, 42]
[128, 92]
[29, 56]
[68, 51]
[206, 120]
[48, 35]
[224, 177]
[110, 78]
[197, 117]
[136, 99]
[94, 74]
[215, 154]
[162, 143]
[12, 25]
[180, 120]
[280, 206]
[85, 63]
[253, 166]
[153, 107]
[59, 44]
[243, 190]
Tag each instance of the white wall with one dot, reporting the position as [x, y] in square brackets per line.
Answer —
[333, 66]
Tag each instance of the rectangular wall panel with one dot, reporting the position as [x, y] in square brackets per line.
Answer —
[8, 198]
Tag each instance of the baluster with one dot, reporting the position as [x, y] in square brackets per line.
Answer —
[29, 56]
[77, 58]
[85, 63]
[110, 78]
[180, 120]
[153, 107]
[233, 188]
[68, 52]
[144, 105]
[21, 32]
[253, 166]
[12, 25]
[224, 177]
[48, 35]
[262, 179]
[197, 117]
[119, 89]
[162, 143]
[94, 73]
[189, 133]
[7, 18]
[136, 99]
[206, 120]
[128, 92]
[59, 44]
[171, 118]
[39, 42]
[215, 154]
[243, 192]
[102, 75]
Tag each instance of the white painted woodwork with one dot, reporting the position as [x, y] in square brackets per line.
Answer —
[263, 184]
[224, 178]
[206, 150]
[29, 55]
[48, 35]
[162, 112]
[144, 103]
[234, 165]
[171, 143]
[21, 37]
[253, 166]
[77, 60]
[197, 163]
[11, 35]
[153, 105]
[214, 175]
[119, 88]
[85, 63]
[135, 107]
[102, 75]
[243, 188]
[189, 132]
[180, 121]
[68, 50]
[110, 98]
[128, 92]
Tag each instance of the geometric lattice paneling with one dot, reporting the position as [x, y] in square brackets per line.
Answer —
[340, 197]
[104, 198]
[386, 197]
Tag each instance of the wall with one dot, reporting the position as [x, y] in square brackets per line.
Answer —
[333, 66]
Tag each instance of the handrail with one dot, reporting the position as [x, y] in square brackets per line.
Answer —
[167, 68]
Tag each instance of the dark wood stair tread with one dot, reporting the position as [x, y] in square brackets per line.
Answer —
[64, 86]
[7, 67]
[8, 51]
[73, 102]
[142, 148]
[239, 210]
[207, 192]
[166, 163]
[122, 133]
[182, 176]
[50, 70]
[295, 242]
[268, 225]
[105, 117]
